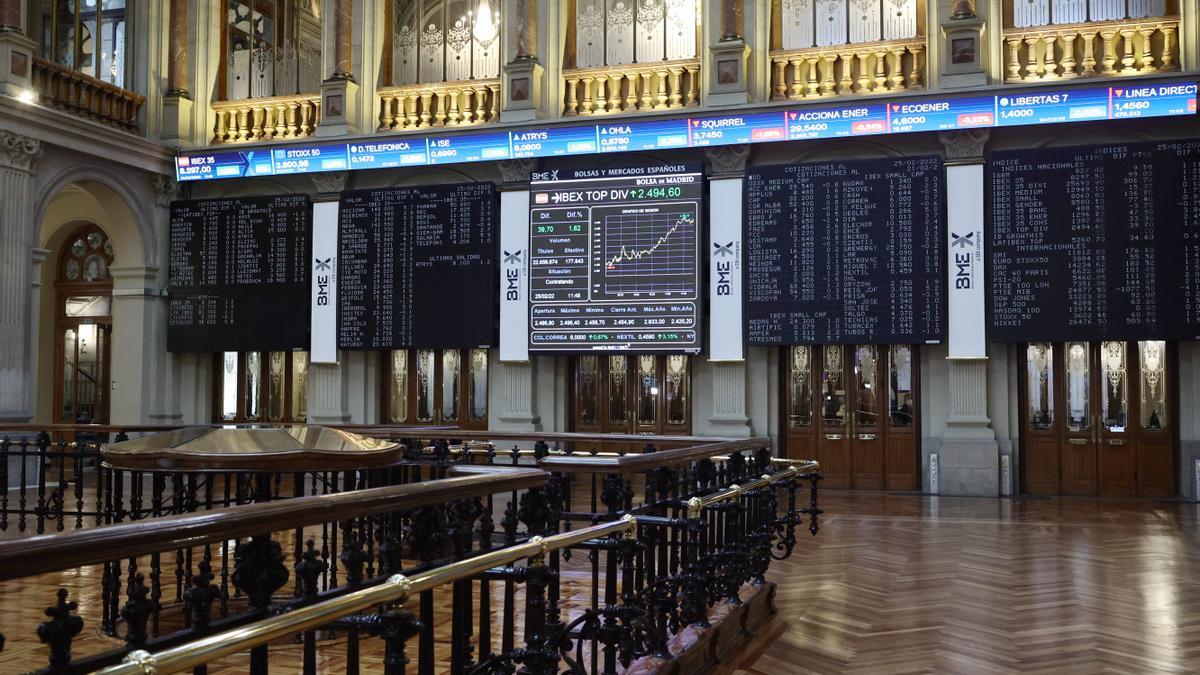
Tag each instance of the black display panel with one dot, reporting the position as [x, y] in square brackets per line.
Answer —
[1095, 242]
[614, 259]
[845, 252]
[239, 274]
[417, 267]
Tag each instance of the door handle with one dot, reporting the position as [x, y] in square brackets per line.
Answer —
[833, 437]
[1077, 441]
[1116, 441]
[866, 437]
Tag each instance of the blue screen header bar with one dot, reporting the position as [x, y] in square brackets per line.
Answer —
[846, 120]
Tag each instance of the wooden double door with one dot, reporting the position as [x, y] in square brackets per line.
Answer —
[1098, 418]
[631, 394]
[854, 409]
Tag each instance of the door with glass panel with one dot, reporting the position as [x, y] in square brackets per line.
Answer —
[435, 386]
[631, 394]
[83, 323]
[853, 408]
[1097, 419]
[266, 387]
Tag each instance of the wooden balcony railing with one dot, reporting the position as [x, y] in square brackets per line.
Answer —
[81, 94]
[1125, 47]
[631, 87]
[259, 119]
[840, 70]
[449, 104]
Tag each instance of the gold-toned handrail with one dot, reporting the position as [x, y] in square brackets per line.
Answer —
[394, 590]
[799, 468]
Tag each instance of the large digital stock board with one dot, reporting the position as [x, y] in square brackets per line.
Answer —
[417, 267]
[614, 259]
[239, 274]
[845, 252]
[1096, 242]
[900, 115]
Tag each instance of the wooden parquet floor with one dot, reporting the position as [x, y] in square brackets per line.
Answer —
[910, 584]
[904, 584]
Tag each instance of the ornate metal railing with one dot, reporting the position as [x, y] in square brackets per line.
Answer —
[263, 119]
[1107, 48]
[842, 70]
[80, 94]
[168, 580]
[631, 87]
[710, 519]
[448, 104]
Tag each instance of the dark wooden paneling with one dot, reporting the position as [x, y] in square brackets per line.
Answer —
[868, 460]
[1041, 464]
[901, 463]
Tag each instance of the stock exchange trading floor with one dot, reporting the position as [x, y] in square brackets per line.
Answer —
[899, 583]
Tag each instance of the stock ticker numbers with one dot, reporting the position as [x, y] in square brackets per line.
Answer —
[845, 252]
[905, 114]
[614, 259]
[416, 267]
[239, 274]
[1096, 242]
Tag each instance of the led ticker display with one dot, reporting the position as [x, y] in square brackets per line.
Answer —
[614, 259]
[907, 115]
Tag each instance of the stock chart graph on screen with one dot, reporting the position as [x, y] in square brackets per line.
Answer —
[650, 250]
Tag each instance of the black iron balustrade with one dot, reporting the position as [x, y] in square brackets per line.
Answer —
[710, 515]
[396, 519]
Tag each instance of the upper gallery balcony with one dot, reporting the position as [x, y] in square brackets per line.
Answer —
[842, 47]
[81, 68]
[443, 65]
[628, 56]
[1052, 39]
[270, 79]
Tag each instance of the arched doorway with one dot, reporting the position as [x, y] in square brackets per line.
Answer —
[83, 326]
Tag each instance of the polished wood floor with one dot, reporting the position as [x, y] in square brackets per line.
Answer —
[906, 584]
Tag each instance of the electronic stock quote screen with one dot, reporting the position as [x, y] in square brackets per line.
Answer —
[239, 274]
[614, 259]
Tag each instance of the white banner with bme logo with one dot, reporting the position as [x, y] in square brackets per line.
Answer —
[965, 268]
[514, 276]
[725, 270]
[323, 322]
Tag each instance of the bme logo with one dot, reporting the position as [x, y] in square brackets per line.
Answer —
[723, 268]
[512, 276]
[962, 260]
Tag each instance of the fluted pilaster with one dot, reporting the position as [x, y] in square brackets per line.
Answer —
[17, 155]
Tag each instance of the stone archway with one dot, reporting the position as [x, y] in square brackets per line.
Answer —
[73, 199]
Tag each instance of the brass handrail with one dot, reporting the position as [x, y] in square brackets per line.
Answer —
[396, 589]
[802, 468]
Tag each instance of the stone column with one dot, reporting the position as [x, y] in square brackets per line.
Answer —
[969, 457]
[10, 16]
[177, 65]
[727, 392]
[512, 386]
[17, 155]
[16, 52]
[522, 77]
[731, 12]
[177, 102]
[728, 58]
[343, 40]
[329, 383]
[339, 93]
[526, 38]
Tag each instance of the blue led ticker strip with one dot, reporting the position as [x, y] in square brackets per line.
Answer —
[844, 120]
